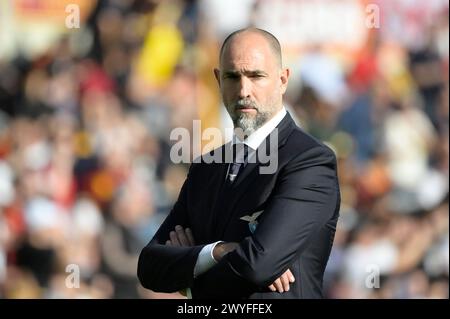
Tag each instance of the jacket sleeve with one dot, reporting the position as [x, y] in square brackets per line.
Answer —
[305, 197]
[164, 268]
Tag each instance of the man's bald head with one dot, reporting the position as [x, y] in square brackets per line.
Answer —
[269, 37]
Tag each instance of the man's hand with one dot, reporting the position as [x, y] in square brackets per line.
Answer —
[282, 283]
[181, 237]
[222, 249]
[184, 238]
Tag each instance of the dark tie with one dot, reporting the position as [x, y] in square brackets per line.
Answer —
[240, 155]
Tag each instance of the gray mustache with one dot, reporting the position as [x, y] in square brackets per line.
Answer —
[241, 104]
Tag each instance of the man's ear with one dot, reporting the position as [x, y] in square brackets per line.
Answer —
[284, 77]
[217, 75]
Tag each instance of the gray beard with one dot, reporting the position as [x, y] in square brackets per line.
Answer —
[249, 124]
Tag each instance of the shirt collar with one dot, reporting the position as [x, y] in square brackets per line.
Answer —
[256, 138]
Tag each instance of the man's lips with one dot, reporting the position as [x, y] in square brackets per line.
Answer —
[249, 110]
[245, 109]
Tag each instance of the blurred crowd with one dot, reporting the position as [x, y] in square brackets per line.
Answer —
[85, 171]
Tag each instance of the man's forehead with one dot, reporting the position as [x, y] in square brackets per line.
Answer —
[244, 56]
[250, 57]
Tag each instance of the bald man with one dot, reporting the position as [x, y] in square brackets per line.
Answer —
[244, 226]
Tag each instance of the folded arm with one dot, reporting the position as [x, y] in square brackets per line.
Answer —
[305, 198]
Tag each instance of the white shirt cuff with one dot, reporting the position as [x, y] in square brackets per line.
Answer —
[205, 259]
[188, 293]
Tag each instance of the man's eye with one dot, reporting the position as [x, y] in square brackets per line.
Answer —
[256, 76]
[232, 76]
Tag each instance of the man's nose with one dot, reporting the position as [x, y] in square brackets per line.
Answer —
[245, 87]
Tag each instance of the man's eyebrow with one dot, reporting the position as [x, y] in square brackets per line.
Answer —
[231, 72]
[255, 72]
[245, 72]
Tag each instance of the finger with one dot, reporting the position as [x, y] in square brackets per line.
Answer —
[272, 287]
[183, 292]
[278, 285]
[181, 236]
[190, 236]
[168, 243]
[290, 276]
[174, 239]
[285, 281]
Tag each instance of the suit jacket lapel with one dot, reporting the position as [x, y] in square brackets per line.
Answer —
[250, 172]
[285, 127]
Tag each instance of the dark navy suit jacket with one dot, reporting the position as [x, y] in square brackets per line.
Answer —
[300, 204]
